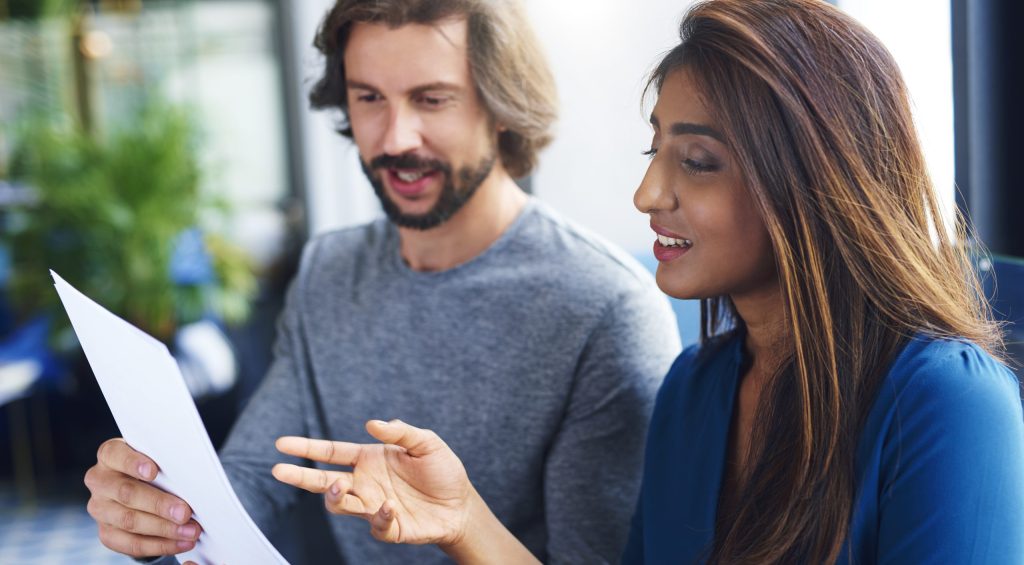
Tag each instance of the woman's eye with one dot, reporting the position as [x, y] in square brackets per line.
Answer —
[368, 97]
[650, 152]
[699, 167]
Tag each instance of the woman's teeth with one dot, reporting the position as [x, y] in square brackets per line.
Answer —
[673, 242]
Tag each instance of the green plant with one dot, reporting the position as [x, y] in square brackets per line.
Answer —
[36, 9]
[107, 217]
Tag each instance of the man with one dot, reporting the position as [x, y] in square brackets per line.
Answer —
[532, 347]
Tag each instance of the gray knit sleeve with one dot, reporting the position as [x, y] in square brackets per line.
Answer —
[277, 408]
[593, 469]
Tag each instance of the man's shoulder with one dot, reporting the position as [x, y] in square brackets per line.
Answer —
[580, 256]
[352, 239]
[342, 247]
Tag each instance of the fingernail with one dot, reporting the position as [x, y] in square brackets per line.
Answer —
[189, 531]
[335, 489]
[381, 422]
[186, 544]
[387, 512]
[178, 512]
[145, 469]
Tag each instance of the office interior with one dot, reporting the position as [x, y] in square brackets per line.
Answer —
[161, 155]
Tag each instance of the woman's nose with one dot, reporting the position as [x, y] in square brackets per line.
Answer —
[653, 194]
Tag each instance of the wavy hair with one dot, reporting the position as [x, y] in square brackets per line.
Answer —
[505, 58]
[817, 115]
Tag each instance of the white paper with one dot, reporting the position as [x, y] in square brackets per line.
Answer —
[156, 415]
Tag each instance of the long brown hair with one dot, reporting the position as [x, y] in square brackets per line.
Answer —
[817, 115]
[507, 63]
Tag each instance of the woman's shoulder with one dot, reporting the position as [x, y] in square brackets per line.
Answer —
[940, 389]
[944, 439]
[951, 371]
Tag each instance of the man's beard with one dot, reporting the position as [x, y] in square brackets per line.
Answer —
[452, 196]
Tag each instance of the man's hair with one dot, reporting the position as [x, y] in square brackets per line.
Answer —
[507, 64]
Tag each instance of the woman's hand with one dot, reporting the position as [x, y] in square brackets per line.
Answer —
[411, 488]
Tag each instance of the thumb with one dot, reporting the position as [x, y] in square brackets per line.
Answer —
[416, 441]
[383, 525]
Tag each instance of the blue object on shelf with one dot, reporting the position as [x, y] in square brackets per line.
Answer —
[29, 342]
[190, 262]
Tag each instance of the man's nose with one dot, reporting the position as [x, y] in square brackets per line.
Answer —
[403, 133]
[654, 194]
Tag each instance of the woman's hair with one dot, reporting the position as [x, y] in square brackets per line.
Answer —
[818, 118]
[507, 64]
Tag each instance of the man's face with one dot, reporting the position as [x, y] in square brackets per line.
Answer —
[425, 140]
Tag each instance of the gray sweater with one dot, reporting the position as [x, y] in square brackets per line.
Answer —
[537, 362]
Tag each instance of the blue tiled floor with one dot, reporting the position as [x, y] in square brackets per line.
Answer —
[53, 530]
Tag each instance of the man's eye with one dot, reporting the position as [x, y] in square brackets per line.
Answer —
[433, 100]
[368, 97]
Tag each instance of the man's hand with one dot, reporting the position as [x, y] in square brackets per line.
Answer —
[412, 488]
[134, 517]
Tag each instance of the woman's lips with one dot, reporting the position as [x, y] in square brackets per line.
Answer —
[669, 245]
[665, 232]
[666, 253]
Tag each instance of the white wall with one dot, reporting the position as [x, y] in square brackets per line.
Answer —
[601, 52]
[918, 34]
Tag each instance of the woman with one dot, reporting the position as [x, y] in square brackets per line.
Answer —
[847, 402]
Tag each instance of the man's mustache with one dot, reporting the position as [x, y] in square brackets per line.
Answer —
[408, 161]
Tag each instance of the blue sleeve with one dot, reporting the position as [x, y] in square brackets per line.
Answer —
[953, 465]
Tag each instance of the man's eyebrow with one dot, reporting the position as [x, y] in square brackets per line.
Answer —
[355, 84]
[440, 85]
[684, 128]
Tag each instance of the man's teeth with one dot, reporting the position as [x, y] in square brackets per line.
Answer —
[673, 242]
[405, 176]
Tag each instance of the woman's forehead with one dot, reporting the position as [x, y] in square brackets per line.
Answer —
[681, 100]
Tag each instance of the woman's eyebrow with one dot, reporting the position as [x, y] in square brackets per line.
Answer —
[685, 128]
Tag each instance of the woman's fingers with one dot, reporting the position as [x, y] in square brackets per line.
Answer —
[416, 441]
[313, 480]
[333, 452]
[383, 524]
[340, 500]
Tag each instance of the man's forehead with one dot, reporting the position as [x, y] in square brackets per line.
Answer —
[449, 34]
[411, 54]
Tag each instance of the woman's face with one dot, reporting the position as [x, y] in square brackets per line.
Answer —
[711, 239]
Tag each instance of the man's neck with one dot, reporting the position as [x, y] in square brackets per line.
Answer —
[468, 233]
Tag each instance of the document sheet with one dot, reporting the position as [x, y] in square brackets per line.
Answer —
[153, 409]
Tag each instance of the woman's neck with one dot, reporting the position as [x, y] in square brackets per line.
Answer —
[767, 333]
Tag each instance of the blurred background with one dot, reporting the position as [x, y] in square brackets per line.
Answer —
[160, 155]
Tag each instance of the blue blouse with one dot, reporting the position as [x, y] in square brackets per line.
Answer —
[939, 466]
